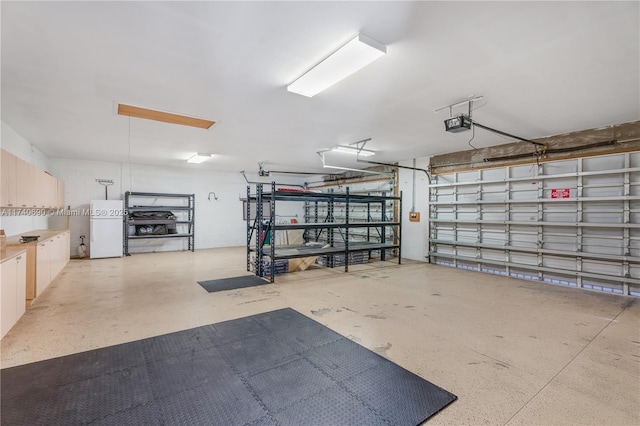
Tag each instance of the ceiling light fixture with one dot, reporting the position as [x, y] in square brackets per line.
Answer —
[353, 150]
[355, 54]
[198, 158]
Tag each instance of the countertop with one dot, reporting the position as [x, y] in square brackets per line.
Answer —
[10, 253]
[45, 234]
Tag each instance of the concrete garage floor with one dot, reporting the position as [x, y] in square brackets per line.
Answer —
[514, 352]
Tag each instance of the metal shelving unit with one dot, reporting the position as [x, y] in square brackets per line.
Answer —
[187, 210]
[336, 233]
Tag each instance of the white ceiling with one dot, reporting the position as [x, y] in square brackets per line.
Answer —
[544, 68]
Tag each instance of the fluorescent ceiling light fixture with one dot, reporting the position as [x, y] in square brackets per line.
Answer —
[353, 150]
[198, 158]
[355, 54]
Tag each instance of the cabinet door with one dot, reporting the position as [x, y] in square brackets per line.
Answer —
[45, 188]
[8, 180]
[50, 195]
[66, 248]
[24, 184]
[8, 295]
[39, 188]
[60, 194]
[43, 266]
[21, 285]
[57, 253]
[53, 192]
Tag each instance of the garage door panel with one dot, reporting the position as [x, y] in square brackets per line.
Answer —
[494, 215]
[527, 170]
[558, 242]
[467, 235]
[489, 254]
[560, 167]
[560, 212]
[606, 162]
[561, 279]
[523, 236]
[546, 234]
[494, 192]
[468, 213]
[524, 258]
[603, 285]
[602, 268]
[549, 185]
[558, 262]
[469, 252]
[634, 270]
[493, 235]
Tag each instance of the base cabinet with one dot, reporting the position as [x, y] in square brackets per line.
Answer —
[12, 291]
[45, 259]
[51, 257]
[43, 266]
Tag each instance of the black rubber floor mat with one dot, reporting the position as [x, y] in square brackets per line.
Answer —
[276, 368]
[232, 283]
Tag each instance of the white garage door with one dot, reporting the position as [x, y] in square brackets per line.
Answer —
[571, 222]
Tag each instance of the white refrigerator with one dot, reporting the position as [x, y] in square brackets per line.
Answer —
[106, 225]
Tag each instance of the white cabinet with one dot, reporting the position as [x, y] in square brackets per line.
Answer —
[8, 295]
[24, 186]
[43, 267]
[12, 291]
[51, 257]
[21, 287]
[60, 194]
[8, 179]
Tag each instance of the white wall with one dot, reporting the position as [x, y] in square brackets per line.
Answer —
[415, 235]
[218, 223]
[14, 143]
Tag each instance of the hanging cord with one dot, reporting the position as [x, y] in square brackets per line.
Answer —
[473, 135]
[413, 189]
[130, 180]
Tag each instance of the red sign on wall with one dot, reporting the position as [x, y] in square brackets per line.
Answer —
[561, 193]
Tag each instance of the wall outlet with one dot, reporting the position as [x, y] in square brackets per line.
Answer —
[414, 216]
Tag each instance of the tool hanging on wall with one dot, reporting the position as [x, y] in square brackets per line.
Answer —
[106, 183]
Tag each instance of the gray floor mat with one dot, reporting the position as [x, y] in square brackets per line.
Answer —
[276, 368]
[233, 283]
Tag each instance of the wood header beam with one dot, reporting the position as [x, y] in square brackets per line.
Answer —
[165, 117]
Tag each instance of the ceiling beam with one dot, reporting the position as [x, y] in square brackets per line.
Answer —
[165, 117]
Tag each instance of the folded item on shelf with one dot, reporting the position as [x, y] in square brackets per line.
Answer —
[152, 215]
[151, 230]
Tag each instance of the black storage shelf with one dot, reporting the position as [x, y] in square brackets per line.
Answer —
[304, 251]
[325, 225]
[156, 208]
[267, 255]
[158, 222]
[139, 237]
[188, 210]
[335, 197]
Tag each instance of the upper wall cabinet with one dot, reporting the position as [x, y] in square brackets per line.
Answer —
[60, 194]
[25, 186]
[8, 180]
